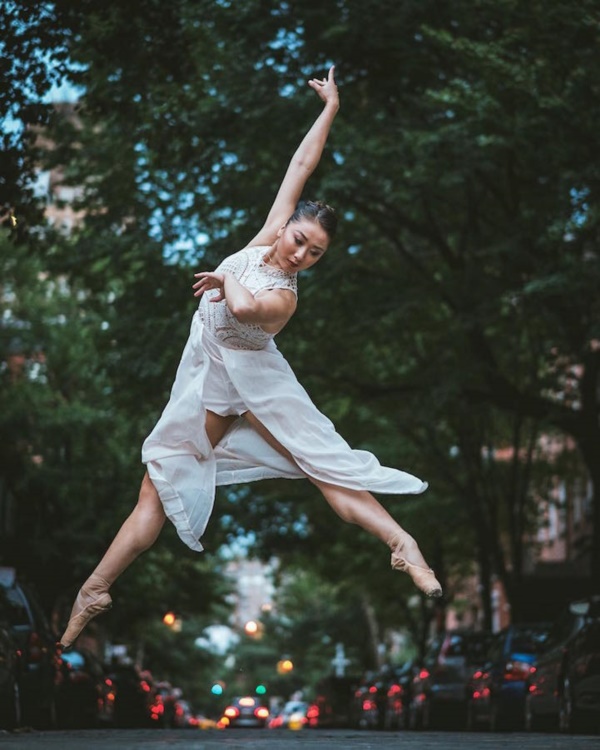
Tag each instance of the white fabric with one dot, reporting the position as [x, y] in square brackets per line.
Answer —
[212, 375]
[252, 272]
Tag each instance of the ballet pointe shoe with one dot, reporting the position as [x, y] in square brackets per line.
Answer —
[405, 547]
[93, 599]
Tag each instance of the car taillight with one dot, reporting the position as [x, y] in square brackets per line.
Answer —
[517, 670]
[369, 705]
[394, 690]
[261, 712]
[373, 689]
[423, 674]
[157, 710]
[231, 712]
[313, 712]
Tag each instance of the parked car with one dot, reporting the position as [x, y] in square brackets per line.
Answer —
[163, 711]
[245, 711]
[40, 671]
[564, 690]
[10, 702]
[496, 694]
[134, 696]
[86, 696]
[439, 690]
[293, 715]
[332, 705]
[381, 698]
[398, 697]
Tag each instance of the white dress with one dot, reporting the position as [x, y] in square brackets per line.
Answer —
[230, 368]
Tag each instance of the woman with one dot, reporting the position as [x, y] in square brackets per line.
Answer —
[236, 411]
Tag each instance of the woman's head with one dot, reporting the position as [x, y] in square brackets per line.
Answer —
[305, 236]
[316, 211]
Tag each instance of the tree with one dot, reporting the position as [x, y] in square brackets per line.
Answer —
[468, 191]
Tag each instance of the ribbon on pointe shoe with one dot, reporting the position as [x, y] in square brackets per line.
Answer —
[423, 578]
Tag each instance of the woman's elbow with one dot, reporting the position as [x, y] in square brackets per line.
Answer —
[243, 312]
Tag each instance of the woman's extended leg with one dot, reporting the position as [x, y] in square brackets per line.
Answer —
[137, 534]
[361, 508]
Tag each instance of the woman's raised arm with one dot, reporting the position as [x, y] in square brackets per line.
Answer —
[303, 162]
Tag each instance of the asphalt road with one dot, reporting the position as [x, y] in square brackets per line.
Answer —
[244, 739]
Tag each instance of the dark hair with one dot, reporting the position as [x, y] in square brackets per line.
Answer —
[316, 211]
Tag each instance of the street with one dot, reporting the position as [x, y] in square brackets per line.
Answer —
[273, 740]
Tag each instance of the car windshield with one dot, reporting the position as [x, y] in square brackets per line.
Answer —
[472, 646]
[12, 602]
[529, 641]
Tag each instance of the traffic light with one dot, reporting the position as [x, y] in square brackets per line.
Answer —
[217, 688]
[261, 690]
[284, 666]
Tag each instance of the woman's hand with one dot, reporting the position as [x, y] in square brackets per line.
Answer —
[209, 280]
[326, 88]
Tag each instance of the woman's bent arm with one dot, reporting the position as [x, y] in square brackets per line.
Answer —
[273, 307]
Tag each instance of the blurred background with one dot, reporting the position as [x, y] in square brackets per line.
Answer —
[453, 329]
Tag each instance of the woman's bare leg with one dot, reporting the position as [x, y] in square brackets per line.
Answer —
[361, 508]
[137, 534]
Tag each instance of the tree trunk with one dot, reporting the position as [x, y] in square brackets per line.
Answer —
[485, 583]
[373, 626]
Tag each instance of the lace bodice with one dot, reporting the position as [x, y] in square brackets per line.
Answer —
[251, 271]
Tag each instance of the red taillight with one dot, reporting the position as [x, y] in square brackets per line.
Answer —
[394, 690]
[145, 686]
[369, 705]
[231, 712]
[373, 689]
[517, 670]
[312, 712]
[423, 674]
[261, 712]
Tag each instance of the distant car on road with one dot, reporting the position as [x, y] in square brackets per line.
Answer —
[440, 686]
[10, 701]
[293, 715]
[564, 690]
[245, 711]
[332, 704]
[86, 697]
[497, 688]
[39, 658]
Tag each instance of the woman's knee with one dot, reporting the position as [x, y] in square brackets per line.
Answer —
[148, 499]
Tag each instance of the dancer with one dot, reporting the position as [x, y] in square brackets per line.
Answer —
[236, 411]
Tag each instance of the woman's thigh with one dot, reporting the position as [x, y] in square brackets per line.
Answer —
[217, 426]
[264, 433]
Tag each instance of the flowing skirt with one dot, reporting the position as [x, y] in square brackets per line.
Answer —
[185, 469]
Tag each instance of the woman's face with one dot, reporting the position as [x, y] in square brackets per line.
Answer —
[300, 245]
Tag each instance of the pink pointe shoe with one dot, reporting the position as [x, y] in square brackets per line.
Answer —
[93, 599]
[423, 577]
